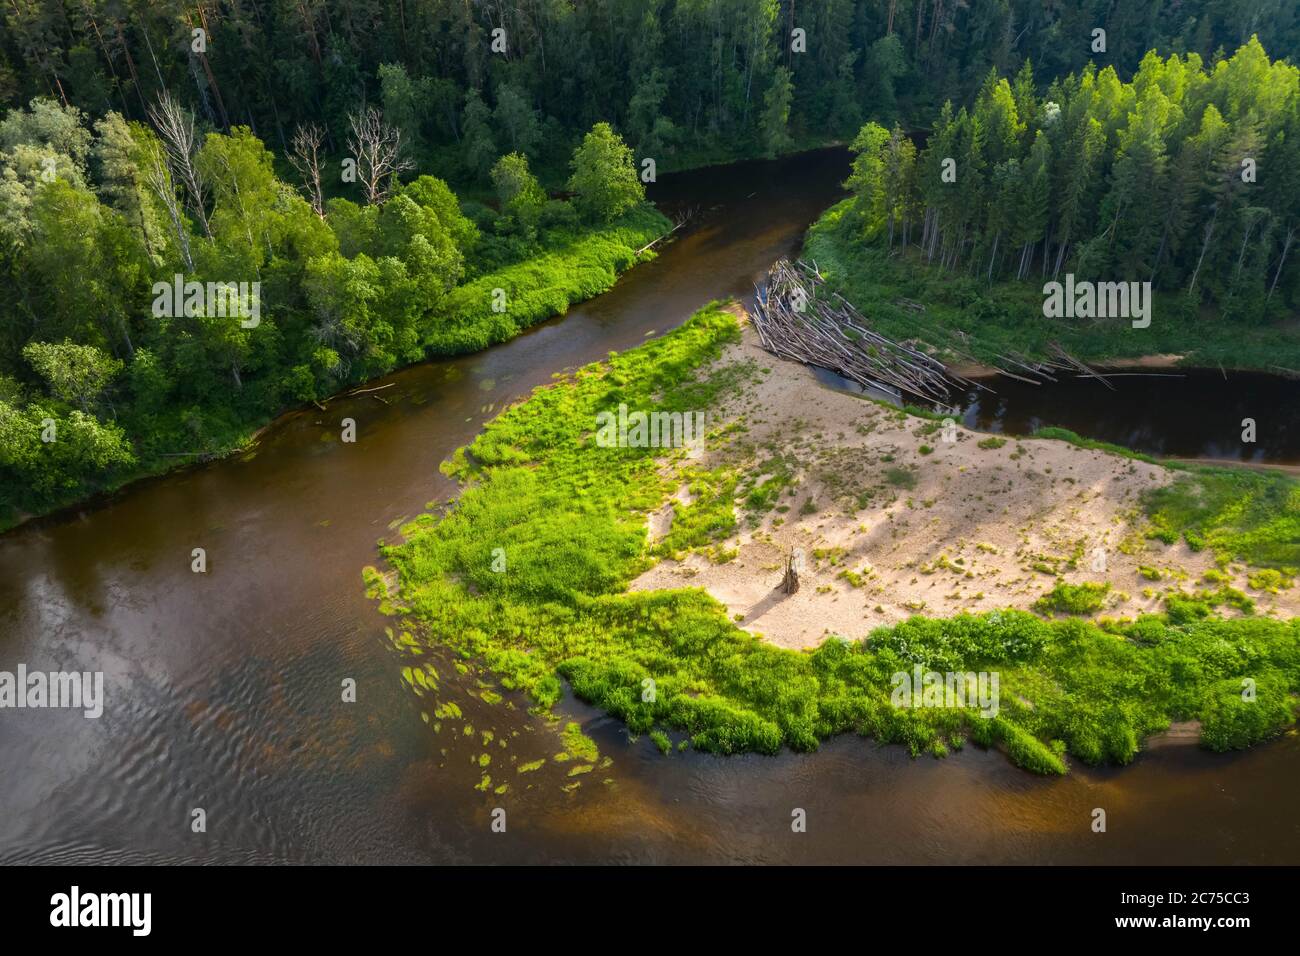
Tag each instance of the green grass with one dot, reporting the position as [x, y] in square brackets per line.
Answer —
[571, 517]
[584, 265]
[1091, 444]
[772, 478]
[1008, 316]
[1182, 608]
[1270, 580]
[900, 477]
[1231, 721]
[1241, 515]
[708, 517]
[1086, 598]
[855, 578]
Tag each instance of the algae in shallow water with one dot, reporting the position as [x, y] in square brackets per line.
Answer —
[577, 744]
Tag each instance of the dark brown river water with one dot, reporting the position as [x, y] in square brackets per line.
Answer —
[223, 689]
[1176, 413]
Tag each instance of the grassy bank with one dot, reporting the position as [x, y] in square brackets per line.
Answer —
[582, 264]
[1008, 316]
[528, 572]
[576, 264]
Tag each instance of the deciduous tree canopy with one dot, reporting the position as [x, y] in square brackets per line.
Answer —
[167, 289]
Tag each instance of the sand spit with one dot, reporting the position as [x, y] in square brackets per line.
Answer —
[894, 521]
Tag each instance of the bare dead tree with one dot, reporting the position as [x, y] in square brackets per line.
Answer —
[160, 181]
[304, 156]
[175, 126]
[679, 220]
[1286, 247]
[377, 148]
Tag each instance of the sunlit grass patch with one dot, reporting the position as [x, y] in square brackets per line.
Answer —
[1250, 516]
[1086, 598]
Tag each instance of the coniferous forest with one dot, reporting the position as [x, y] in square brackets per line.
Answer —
[1151, 179]
[1183, 176]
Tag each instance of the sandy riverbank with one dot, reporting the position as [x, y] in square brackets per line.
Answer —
[956, 528]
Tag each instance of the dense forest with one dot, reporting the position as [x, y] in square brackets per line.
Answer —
[167, 291]
[678, 78]
[1187, 177]
[304, 151]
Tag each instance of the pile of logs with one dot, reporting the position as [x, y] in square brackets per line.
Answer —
[797, 318]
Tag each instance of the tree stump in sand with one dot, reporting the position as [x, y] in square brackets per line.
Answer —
[790, 583]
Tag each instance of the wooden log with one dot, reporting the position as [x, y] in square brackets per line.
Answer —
[1088, 372]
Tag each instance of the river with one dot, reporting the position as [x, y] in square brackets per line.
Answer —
[223, 689]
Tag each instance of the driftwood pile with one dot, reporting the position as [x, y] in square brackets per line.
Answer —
[797, 318]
